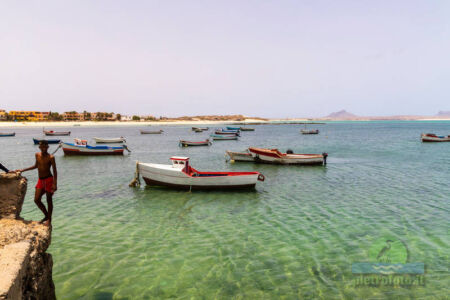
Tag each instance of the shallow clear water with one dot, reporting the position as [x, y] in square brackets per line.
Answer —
[295, 236]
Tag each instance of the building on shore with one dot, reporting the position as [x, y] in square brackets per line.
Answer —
[72, 116]
[3, 115]
[28, 115]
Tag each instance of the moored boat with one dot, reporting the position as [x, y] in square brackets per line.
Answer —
[74, 149]
[51, 141]
[109, 140]
[219, 137]
[56, 133]
[233, 128]
[236, 133]
[310, 131]
[200, 128]
[181, 175]
[431, 137]
[240, 156]
[4, 134]
[276, 157]
[184, 143]
[152, 132]
[247, 129]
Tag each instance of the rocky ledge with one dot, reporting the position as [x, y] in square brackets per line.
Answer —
[25, 267]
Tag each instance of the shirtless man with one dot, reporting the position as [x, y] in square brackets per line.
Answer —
[47, 182]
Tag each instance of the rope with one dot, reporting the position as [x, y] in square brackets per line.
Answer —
[60, 145]
[136, 182]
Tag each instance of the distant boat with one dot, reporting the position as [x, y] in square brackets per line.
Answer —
[236, 133]
[3, 134]
[247, 129]
[151, 132]
[182, 176]
[76, 125]
[219, 137]
[310, 131]
[109, 140]
[431, 137]
[184, 143]
[200, 128]
[52, 141]
[240, 156]
[276, 157]
[74, 149]
[233, 128]
[56, 133]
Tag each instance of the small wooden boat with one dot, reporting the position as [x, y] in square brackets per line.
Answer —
[233, 128]
[109, 140]
[4, 134]
[276, 157]
[190, 143]
[247, 129]
[309, 131]
[240, 156]
[56, 133]
[220, 137]
[431, 137]
[200, 128]
[52, 141]
[152, 132]
[182, 176]
[227, 132]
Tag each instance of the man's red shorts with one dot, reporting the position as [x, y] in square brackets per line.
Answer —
[45, 184]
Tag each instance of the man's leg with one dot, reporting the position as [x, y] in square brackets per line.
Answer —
[37, 199]
[49, 208]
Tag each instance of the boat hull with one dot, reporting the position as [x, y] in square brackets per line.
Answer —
[37, 141]
[109, 141]
[151, 132]
[193, 144]
[427, 139]
[269, 156]
[224, 137]
[7, 134]
[56, 133]
[163, 175]
[71, 149]
[310, 131]
[240, 156]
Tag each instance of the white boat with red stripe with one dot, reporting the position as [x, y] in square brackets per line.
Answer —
[182, 176]
[431, 137]
[80, 147]
[276, 157]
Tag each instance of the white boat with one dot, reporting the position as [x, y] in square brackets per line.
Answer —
[109, 140]
[184, 143]
[276, 157]
[431, 137]
[181, 175]
[240, 156]
[56, 133]
[83, 149]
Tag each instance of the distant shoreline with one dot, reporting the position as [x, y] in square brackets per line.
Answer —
[49, 125]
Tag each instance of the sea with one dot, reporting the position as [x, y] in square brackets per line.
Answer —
[297, 235]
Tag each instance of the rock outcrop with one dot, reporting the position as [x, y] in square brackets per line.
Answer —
[25, 267]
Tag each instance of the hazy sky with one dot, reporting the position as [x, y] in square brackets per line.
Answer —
[258, 58]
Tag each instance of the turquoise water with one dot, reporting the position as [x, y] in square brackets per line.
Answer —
[296, 236]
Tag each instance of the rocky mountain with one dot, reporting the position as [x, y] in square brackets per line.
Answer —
[342, 114]
[443, 113]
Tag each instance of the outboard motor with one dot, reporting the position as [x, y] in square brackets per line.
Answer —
[289, 151]
[325, 155]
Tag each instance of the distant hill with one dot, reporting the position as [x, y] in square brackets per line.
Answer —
[342, 114]
[443, 113]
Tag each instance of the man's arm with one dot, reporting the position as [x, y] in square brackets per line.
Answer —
[30, 168]
[55, 174]
[2, 167]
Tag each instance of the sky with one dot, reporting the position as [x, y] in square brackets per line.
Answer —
[275, 59]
